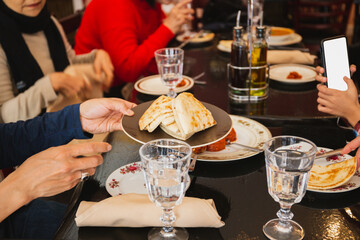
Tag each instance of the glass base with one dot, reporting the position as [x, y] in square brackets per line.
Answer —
[159, 234]
[274, 231]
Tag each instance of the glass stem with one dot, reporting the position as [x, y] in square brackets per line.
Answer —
[168, 218]
[284, 215]
[172, 93]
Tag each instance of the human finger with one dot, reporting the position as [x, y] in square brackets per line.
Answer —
[122, 106]
[357, 159]
[89, 148]
[351, 146]
[352, 69]
[182, 4]
[88, 162]
[349, 82]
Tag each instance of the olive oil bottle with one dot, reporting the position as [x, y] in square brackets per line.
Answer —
[258, 63]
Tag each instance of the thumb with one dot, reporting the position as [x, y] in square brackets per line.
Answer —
[349, 82]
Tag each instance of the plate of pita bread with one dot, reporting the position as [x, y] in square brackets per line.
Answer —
[183, 117]
[334, 174]
[152, 85]
[248, 132]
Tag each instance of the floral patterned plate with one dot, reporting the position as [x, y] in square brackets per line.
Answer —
[248, 132]
[128, 179]
[352, 184]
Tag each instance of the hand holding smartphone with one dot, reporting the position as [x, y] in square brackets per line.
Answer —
[335, 61]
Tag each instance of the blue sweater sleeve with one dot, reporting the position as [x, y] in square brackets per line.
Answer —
[22, 139]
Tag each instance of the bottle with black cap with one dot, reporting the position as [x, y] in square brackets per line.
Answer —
[239, 65]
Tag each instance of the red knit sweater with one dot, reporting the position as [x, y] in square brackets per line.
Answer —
[129, 30]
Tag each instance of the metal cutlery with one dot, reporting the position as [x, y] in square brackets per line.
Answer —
[328, 154]
[244, 146]
[193, 162]
[196, 81]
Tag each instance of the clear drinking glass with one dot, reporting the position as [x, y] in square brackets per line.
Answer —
[170, 65]
[258, 12]
[165, 163]
[288, 163]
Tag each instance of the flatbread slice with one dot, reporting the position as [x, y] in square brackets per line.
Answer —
[331, 176]
[154, 124]
[190, 114]
[160, 106]
[173, 130]
[169, 120]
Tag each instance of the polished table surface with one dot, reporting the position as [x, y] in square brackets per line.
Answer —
[240, 193]
[238, 187]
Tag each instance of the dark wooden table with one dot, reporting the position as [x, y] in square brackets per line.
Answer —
[238, 187]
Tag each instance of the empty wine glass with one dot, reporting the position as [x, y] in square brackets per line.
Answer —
[170, 65]
[288, 163]
[165, 163]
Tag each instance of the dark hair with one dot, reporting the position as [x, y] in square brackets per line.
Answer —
[151, 3]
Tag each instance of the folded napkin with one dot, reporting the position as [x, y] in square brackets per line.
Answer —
[291, 56]
[88, 73]
[136, 210]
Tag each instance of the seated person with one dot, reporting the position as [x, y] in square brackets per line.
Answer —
[45, 171]
[130, 31]
[34, 52]
[344, 104]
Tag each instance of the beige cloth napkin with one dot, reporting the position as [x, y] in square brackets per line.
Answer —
[291, 56]
[88, 73]
[136, 210]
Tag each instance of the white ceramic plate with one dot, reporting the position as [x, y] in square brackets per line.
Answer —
[153, 85]
[290, 39]
[280, 34]
[224, 46]
[248, 132]
[352, 184]
[206, 36]
[128, 179]
[280, 72]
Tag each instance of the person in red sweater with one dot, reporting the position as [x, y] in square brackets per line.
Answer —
[130, 31]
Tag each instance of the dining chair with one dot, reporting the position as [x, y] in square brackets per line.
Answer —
[70, 24]
[318, 19]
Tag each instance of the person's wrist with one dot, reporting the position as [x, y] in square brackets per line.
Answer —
[354, 116]
[19, 190]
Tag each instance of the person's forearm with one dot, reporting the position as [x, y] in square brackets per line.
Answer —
[11, 197]
[354, 117]
[22, 139]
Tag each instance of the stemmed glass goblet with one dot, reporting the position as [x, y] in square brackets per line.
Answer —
[288, 162]
[165, 164]
[170, 66]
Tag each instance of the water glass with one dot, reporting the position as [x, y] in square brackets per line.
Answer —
[288, 163]
[170, 66]
[165, 164]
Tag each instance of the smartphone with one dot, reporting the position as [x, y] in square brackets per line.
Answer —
[335, 61]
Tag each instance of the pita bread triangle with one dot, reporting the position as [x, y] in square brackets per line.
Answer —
[331, 176]
[159, 107]
[190, 114]
[180, 117]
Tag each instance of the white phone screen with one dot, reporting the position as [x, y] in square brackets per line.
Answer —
[336, 63]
